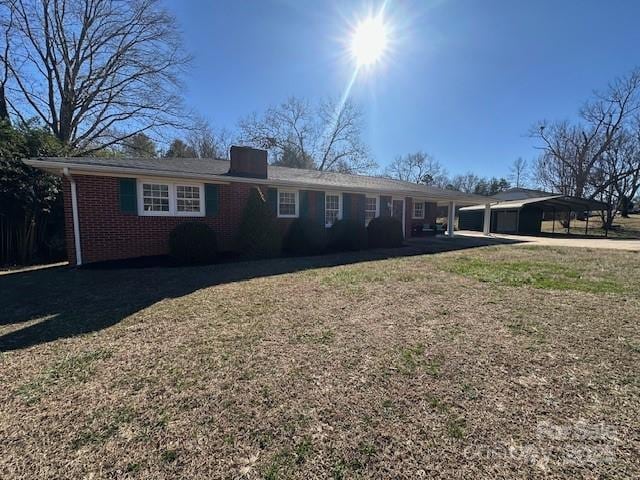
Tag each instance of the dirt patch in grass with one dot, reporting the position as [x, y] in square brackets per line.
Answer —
[457, 365]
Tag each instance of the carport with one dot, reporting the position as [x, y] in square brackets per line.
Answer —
[525, 216]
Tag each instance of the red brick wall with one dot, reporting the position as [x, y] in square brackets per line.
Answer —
[408, 216]
[107, 234]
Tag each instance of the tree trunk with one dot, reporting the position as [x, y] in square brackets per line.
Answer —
[4, 111]
[624, 206]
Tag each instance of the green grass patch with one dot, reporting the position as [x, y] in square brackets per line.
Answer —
[412, 359]
[104, 424]
[536, 274]
[73, 369]
[456, 428]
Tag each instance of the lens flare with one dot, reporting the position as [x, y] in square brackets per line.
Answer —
[369, 40]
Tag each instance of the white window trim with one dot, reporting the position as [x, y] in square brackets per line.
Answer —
[377, 199]
[414, 211]
[339, 195]
[199, 213]
[297, 204]
[173, 199]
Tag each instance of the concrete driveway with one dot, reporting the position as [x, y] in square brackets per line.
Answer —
[610, 243]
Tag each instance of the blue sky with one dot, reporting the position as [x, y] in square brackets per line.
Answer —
[464, 81]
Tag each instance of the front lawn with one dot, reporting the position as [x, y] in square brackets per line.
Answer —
[504, 361]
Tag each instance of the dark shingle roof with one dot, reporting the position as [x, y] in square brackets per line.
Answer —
[548, 203]
[196, 167]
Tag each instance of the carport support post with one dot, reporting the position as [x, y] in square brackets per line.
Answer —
[586, 225]
[451, 218]
[569, 223]
[486, 227]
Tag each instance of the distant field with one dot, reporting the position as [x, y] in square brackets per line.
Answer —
[623, 227]
[494, 362]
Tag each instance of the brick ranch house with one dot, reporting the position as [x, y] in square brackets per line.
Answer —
[117, 208]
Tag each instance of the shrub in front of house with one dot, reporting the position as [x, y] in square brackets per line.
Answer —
[305, 237]
[385, 232]
[258, 235]
[193, 243]
[347, 235]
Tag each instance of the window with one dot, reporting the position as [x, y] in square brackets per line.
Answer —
[331, 208]
[170, 199]
[155, 197]
[287, 203]
[187, 198]
[370, 209]
[418, 210]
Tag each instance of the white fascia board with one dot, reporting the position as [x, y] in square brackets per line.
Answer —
[84, 169]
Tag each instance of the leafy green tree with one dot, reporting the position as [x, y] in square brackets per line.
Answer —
[292, 157]
[140, 145]
[31, 218]
[179, 149]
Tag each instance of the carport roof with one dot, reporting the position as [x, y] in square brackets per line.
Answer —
[551, 202]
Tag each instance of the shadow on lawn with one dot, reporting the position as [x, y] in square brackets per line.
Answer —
[65, 302]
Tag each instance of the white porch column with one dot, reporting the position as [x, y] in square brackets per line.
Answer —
[487, 219]
[451, 218]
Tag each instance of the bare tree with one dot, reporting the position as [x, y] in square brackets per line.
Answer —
[418, 167]
[519, 172]
[467, 182]
[572, 152]
[628, 185]
[326, 136]
[6, 26]
[208, 142]
[95, 72]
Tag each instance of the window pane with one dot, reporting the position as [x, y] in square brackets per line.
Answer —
[418, 210]
[287, 204]
[187, 198]
[331, 209]
[155, 197]
[370, 209]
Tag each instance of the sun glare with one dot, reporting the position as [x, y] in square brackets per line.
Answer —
[369, 41]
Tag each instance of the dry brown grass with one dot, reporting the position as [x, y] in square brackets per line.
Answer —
[385, 369]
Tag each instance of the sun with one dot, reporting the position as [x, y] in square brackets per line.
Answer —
[369, 40]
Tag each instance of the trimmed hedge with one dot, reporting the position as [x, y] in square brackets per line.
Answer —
[385, 232]
[305, 237]
[347, 235]
[258, 235]
[193, 243]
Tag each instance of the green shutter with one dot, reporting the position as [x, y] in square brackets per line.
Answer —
[304, 203]
[385, 209]
[211, 200]
[346, 206]
[360, 204]
[320, 208]
[128, 195]
[272, 200]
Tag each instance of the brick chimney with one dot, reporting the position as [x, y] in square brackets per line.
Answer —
[248, 162]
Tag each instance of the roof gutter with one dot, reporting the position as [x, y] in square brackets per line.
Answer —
[74, 210]
[55, 166]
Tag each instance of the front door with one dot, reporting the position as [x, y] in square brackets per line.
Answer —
[397, 211]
